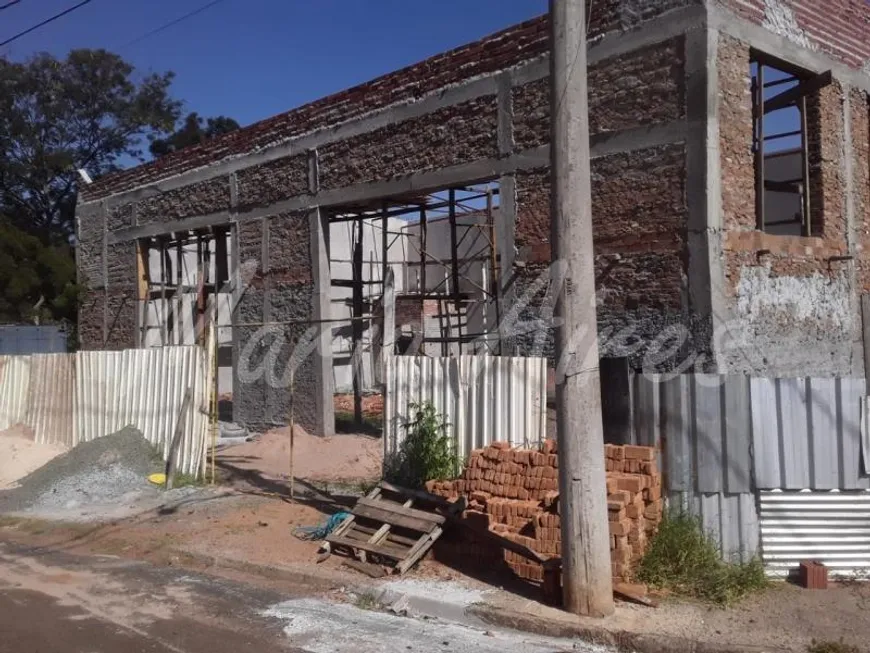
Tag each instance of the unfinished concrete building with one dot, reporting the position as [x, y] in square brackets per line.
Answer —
[731, 195]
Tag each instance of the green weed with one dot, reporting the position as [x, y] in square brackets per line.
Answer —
[427, 453]
[367, 601]
[684, 559]
[832, 647]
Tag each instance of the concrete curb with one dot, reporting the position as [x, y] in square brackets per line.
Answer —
[479, 615]
[621, 640]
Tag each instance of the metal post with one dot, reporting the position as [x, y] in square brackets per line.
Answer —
[586, 573]
[454, 264]
[357, 327]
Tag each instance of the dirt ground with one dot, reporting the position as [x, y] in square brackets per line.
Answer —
[20, 455]
[372, 405]
[256, 528]
[264, 463]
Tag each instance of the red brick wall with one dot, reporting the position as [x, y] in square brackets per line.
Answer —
[837, 27]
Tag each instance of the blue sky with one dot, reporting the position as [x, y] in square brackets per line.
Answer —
[250, 59]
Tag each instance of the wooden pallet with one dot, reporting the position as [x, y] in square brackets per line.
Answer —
[389, 524]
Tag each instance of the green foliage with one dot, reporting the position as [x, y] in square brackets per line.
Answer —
[427, 452]
[367, 601]
[193, 131]
[187, 480]
[684, 559]
[89, 110]
[832, 647]
[30, 270]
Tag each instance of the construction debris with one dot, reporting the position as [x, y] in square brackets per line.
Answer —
[392, 524]
[100, 471]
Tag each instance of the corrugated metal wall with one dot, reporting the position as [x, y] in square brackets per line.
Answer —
[72, 398]
[29, 339]
[483, 398]
[807, 434]
[727, 440]
[14, 389]
[833, 527]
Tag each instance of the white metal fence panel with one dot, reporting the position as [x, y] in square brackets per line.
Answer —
[73, 398]
[51, 404]
[807, 433]
[832, 527]
[14, 387]
[483, 398]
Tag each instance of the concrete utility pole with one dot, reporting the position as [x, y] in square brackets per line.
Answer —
[586, 573]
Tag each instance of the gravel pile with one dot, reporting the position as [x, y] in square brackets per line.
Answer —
[100, 471]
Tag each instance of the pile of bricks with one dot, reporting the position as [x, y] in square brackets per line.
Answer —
[514, 492]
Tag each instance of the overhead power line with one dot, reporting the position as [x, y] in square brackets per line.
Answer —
[172, 22]
[9, 4]
[45, 22]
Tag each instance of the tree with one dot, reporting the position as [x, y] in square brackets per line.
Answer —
[30, 271]
[59, 115]
[194, 130]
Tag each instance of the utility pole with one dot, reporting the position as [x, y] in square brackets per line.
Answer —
[586, 572]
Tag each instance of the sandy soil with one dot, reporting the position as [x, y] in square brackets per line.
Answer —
[342, 458]
[258, 529]
[20, 455]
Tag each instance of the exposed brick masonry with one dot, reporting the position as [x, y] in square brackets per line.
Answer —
[451, 136]
[644, 87]
[837, 27]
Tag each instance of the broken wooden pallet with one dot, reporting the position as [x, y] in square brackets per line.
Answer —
[388, 525]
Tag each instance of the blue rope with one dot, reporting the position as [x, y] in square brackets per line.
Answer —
[320, 532]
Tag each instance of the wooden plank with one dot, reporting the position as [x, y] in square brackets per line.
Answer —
[392, 518]
[419, 550]
[347, 523]
[367, 568]
[381, 533]
[393, 552]
[401, 510]
[425, 497]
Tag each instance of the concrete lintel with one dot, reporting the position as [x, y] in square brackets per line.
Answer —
[638, 138]
[663, 28]
[477, 171]
[766, 41]
[505, 125]
[318, 227]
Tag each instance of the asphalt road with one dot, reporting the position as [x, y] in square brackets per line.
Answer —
[55, 602]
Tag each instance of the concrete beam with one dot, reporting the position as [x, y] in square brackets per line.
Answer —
[505, 125]
[663, 28]
[766, 41]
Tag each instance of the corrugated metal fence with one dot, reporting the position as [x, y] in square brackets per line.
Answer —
[483, 398]
[727, 441]
[72, 398]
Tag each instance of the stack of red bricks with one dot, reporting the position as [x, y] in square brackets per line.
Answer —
[514, 492]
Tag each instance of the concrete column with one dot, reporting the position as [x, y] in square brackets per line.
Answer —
[318, 225]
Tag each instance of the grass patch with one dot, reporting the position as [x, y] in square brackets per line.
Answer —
[367, 601]
[187, 480]
[832, 647]
[682, 558]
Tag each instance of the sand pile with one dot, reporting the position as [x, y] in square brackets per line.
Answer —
[100, 471]
[20, 455]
